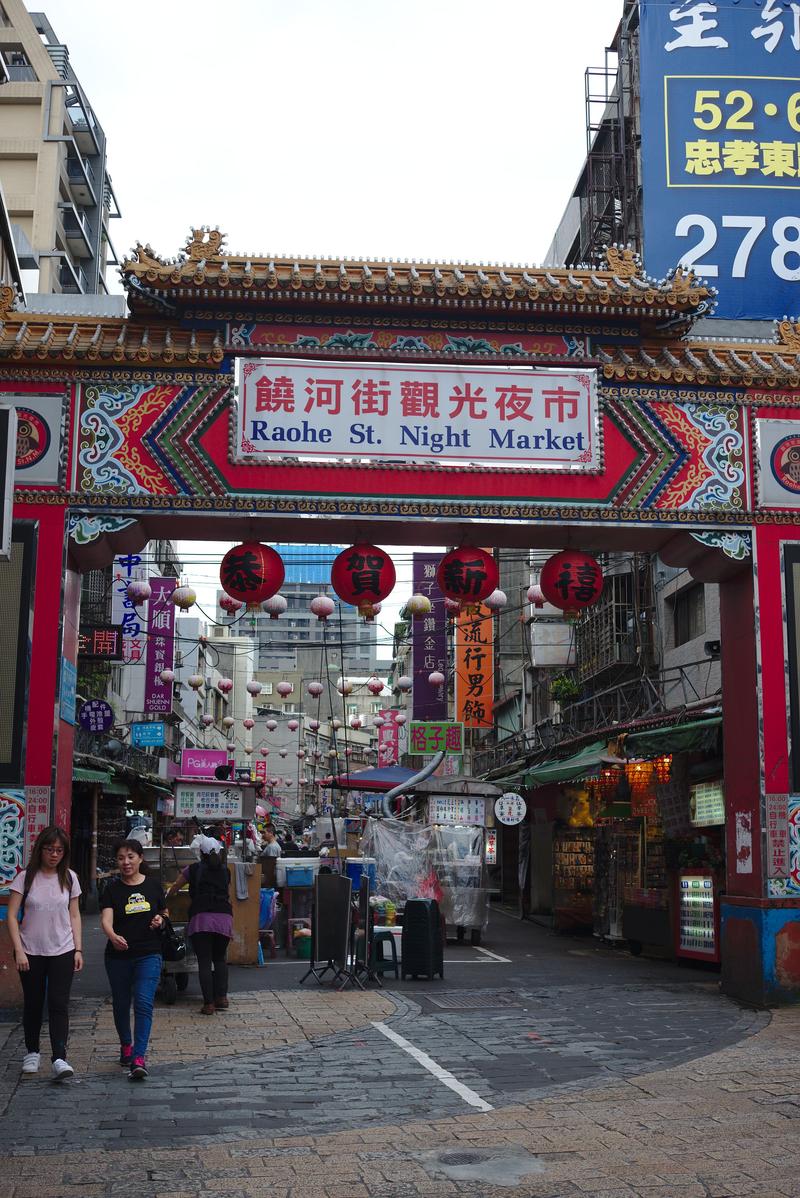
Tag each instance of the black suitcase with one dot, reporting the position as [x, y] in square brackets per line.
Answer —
[422, 952]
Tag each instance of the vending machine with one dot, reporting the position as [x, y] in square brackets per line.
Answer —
[697, 915]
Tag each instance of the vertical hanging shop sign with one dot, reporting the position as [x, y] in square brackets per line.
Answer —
[160, 654]
[389, 738]
[428, 641]
[129, 567]
[475, 667]
[720, 105]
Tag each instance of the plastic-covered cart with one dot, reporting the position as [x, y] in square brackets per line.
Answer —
[165, 862]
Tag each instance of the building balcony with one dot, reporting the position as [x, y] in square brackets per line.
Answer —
[80, 180]
[73, 281]
[77, 232]
[82, 126]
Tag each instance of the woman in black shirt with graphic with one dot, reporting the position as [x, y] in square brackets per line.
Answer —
[134, 907]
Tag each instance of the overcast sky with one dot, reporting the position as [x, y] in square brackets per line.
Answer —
[399, 128]
[446, 129]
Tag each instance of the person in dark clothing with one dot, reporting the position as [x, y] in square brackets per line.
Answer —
[210, 920]
[132, 918]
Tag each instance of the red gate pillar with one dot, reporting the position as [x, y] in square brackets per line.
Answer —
[56, 613]
[760, 931]
[48, 739]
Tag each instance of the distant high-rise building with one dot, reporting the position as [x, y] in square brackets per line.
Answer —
[52, 160]
[351, 641]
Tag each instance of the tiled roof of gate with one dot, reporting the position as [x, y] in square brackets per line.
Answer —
[206, 272]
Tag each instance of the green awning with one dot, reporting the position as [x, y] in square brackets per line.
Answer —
[586, 761]
[697, 736]
[79, 774]
[115, 788]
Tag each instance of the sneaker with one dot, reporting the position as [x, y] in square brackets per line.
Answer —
[61, 1070]
[138, 1070]
[30, 1062]
[125, 1055]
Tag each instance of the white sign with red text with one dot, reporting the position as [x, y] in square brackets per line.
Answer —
[501, 416]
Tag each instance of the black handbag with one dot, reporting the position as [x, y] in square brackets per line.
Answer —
[173, 945]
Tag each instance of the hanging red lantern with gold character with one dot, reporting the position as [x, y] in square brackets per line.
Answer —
[467, 575]
[251, 572]
[363, 575]
[571, 580]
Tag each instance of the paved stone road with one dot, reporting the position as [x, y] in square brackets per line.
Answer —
[612, 1090]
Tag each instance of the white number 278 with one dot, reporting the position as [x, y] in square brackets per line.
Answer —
[785, 237]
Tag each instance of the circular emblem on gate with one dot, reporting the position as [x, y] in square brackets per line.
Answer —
[33, 438]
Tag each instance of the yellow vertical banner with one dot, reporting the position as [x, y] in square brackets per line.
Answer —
[475, 666]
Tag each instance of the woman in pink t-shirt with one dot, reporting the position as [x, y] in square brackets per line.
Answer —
[45, 928]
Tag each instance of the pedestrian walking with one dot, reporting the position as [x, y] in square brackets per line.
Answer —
[133, 913]
[210, 926]
[44, 924]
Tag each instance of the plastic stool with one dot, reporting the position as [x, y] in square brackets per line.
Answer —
[380, 963]
[266, 938]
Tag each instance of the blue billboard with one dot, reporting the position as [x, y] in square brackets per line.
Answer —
[720, 116]
[148, 735]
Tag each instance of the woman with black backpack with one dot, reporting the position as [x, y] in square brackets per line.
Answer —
[210, 926]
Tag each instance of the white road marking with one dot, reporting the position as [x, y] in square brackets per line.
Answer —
[444, 1075]
[494, 956]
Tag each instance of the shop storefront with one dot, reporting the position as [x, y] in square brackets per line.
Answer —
[635, 829]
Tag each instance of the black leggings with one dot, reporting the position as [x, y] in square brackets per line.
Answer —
[211, 949]
[50, 976]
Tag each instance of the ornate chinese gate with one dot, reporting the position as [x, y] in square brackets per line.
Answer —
[690, 455]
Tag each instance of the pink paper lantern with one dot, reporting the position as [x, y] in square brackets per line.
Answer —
[374, 685]
[355, 722]
[293, 725]
[284, 689]
[536, 595]
[300, 754]
[275, 606]
[404, 683]
[378, 721]
[272, 725]
[184, 598]
[322, 606]
[225, 686]
[315, 689]
[400, 718]
[496, 601]
[436, 678]
[195, 681]
[167, 676]
[313, 725]
[230, 605]
[264, 752]
[138, 590]
[207, 720]
[253, 687]
[248, 723]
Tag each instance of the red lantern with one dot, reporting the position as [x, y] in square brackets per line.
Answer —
[251, 572]
[363, 575]
[467, 575]
[571, 580]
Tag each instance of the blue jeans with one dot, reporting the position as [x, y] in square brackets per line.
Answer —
[135, 978]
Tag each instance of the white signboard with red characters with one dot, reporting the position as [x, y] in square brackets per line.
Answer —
[538, 419]
[510, 808]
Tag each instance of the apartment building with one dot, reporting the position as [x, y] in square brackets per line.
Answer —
[52, 160]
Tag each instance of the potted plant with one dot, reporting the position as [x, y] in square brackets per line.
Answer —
[564, 689]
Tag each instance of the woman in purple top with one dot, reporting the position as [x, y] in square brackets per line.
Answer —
[210, 920]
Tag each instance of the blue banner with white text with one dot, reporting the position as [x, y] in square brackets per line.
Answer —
[720, 109]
